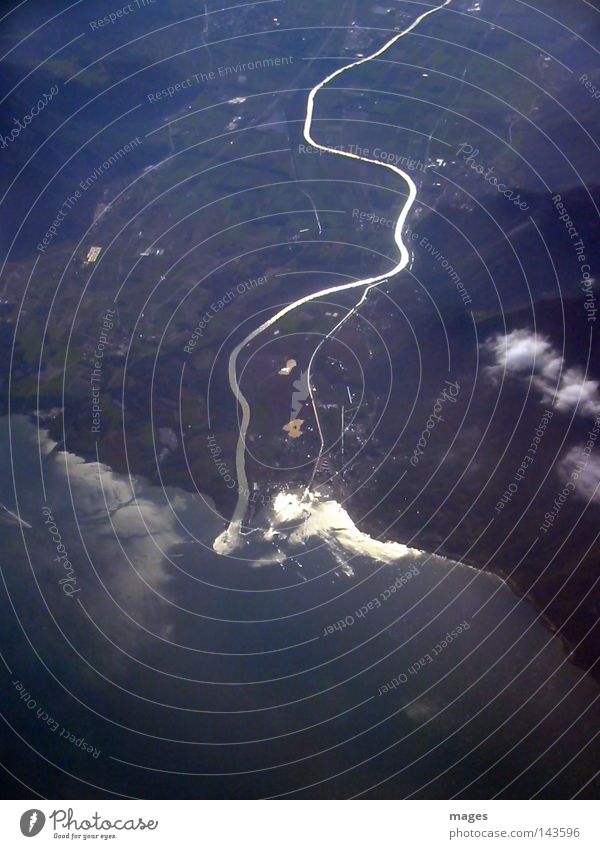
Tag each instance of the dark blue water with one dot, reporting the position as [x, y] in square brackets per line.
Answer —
[193, 674]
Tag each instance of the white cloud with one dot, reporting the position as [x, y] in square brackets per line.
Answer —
[575, 389]
[129, 528]
[532, 356]
[522, 351]
[588, 477]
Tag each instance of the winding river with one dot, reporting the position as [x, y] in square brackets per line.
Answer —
[229, 540]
